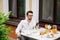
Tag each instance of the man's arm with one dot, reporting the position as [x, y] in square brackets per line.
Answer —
[37, 26]
[18, 29]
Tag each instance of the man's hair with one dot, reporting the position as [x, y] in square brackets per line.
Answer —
[29, 12]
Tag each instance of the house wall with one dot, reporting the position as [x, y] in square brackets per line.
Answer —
[1, 5]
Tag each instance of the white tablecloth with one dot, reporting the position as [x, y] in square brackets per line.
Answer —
[35, 34]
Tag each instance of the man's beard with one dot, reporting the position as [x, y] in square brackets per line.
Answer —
[29, 19]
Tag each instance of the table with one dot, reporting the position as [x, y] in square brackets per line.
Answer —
[35, 34]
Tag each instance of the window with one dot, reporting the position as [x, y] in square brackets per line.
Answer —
[58, 12]
[17, 8]
[49, 11]
[13, 8]
[21, 8]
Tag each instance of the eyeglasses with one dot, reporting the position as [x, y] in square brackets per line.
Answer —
[30, 15]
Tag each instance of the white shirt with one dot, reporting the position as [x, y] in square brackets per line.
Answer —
[23, 25]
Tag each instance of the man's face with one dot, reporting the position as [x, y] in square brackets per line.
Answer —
[29, 16]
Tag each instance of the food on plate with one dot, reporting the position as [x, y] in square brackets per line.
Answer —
[54, 29]
[50, 35]
[47, 26]
[43, 32]
[48, 30]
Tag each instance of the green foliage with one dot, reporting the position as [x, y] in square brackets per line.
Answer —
[4, 31]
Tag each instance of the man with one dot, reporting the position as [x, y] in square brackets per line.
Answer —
[25, 24]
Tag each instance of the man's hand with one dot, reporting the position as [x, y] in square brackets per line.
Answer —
[19, 35]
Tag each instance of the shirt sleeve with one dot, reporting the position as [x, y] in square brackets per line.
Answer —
[19, 27]
[34, 25]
